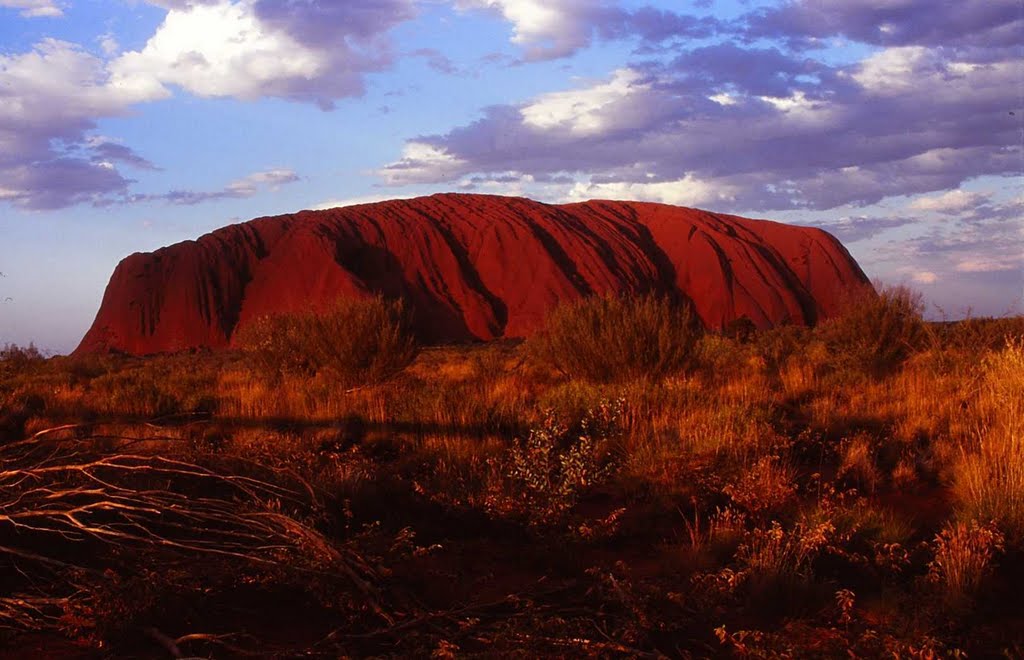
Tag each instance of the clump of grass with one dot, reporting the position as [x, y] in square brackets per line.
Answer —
[353, 342]
[876, 333]
[608, 338]
[775, 552]
[963, 560]
[858, 462]
[989, 478]
[767, 487]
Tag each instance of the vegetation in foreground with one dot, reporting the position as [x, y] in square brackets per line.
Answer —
[857, 488]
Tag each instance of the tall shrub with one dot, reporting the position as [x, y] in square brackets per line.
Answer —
[877, 333]
[608, 338]
[354, 342]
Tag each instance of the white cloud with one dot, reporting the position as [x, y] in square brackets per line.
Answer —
[421, 161]
[272, 179]
[782, 131]
[798, 108]
[35, 8]
[248, 49]
[723, 99]
[686, 191]
[56, 91]
[361, 199]
[108, 44]
[545, 28]
[586, 111]
[58, 81]
[893, 69]
[52, 96]
[925, 277]
[951, 202]
[218, 49]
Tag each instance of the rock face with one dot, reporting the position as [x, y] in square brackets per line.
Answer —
[470, 267]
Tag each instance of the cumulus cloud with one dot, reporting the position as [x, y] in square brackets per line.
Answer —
[53, 96]
[587, 111]
[247, 49]
[549, 29]
[765, 128]
[423, 162]
[35, 8]
[546, 28]
[687, 191]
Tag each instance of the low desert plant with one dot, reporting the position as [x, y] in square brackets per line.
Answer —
[609, 338]
[776, 557]
[767, 487]
[876, 332]
[353, 342]
[548, 470]
[963, 560]
[858, 463]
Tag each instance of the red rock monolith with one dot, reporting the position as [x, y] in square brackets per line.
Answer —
[470, 267]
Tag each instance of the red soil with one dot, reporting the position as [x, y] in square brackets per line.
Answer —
[470, 267]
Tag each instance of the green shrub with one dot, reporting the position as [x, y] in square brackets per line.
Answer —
[876, 332]
[353, 342]
[609, 338]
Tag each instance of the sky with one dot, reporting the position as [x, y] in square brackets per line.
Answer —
[127, 125]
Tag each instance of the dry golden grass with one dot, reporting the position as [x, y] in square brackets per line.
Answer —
[989, 477]
[663, 508]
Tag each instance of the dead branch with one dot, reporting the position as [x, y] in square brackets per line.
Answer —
[67, 509]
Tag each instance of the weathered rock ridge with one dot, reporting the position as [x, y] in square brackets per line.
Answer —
[470, 267]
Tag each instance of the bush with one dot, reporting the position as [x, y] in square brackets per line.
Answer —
[353, 342]
[609, 338]
[15, 360]
[876, 333]
[976, 335]
[776, 346]
[545, 474]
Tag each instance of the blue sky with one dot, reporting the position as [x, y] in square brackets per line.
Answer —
[129, 125]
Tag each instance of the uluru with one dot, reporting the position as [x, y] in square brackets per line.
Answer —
[470, 267]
